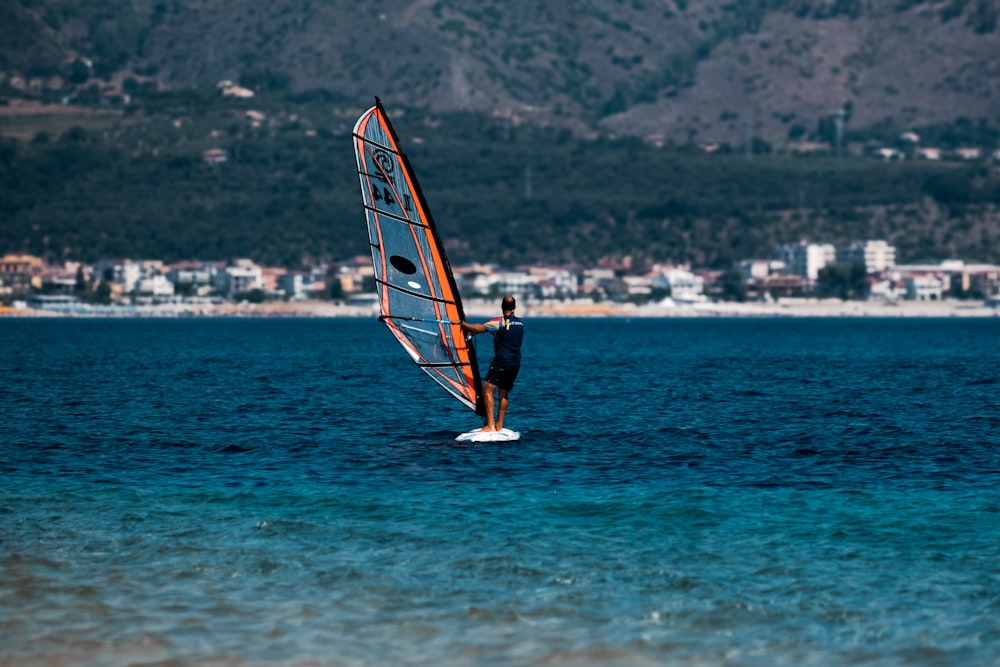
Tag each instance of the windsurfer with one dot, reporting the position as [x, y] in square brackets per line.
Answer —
[508, 334]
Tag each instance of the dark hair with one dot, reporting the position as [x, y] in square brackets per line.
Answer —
[508, 303]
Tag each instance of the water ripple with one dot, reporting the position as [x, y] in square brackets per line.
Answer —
[685, 492]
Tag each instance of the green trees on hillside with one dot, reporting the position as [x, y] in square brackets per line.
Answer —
[288, 193]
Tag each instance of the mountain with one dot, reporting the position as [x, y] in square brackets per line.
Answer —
[541, 132]
[671, 70]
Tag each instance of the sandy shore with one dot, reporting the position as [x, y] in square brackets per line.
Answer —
[481, 309]
[819, 308]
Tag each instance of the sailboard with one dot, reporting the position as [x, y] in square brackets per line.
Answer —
[503, 435]
[418, 297]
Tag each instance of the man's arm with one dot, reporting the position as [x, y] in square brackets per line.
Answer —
[473, 328]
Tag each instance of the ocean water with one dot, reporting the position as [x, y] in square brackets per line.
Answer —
[685, 492]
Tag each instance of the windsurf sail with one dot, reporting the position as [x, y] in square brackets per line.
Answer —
[417, 293]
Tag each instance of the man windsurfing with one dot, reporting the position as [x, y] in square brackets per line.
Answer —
[508, 334]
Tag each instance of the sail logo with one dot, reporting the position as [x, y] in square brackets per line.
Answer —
[385, 161]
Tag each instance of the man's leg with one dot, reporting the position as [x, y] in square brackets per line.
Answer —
[488, 390]
[502, 409]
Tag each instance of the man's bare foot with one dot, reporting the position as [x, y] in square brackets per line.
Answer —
[488, 427]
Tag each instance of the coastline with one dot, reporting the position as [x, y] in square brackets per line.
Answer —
[486, 308]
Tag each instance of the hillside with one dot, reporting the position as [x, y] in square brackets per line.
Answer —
[564, 133]
[708, 70]
[138, 186]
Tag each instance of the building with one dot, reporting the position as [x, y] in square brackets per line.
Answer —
[215, 155]
[638, 287]
[759, 269]
[66, 278]
[478, 280]
[977, 280]
[781, 285]
[923, 288]
[235, 91]
[553, 282]
[354, 275]
[968, 153]
[980, 279]
[684, 286]
[157, 286]
[877, 256]
[294, 284]
[255, 118]
[123, 273]
[242, 277]
[885, 290]
[20, 273]
[891, 154]
[192, 277]
[518, 283]
[597, 278]
[806, 259]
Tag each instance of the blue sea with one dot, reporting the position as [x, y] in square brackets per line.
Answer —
[745, 492]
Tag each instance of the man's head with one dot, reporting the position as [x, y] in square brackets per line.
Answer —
[508, 304]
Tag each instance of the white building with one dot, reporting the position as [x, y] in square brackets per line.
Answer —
[638, 286]
[122, 272]
[923, 288]
[156, 286]
[236, 91]
[956, 274]
[515, 282]
[806, 259]
[758, 269]
[885, 290]
[877, 256]
[192, 274]
[685, 287]
[597, 277]
[551, 282]
[241, 278]
[891, 154]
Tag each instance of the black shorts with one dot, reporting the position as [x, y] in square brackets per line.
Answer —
[502, 377]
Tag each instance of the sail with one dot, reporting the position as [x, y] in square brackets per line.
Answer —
[418, 297]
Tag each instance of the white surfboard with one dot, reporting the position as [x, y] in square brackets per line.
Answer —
[503, 435]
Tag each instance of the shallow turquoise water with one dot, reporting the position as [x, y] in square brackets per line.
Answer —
[686, 492]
